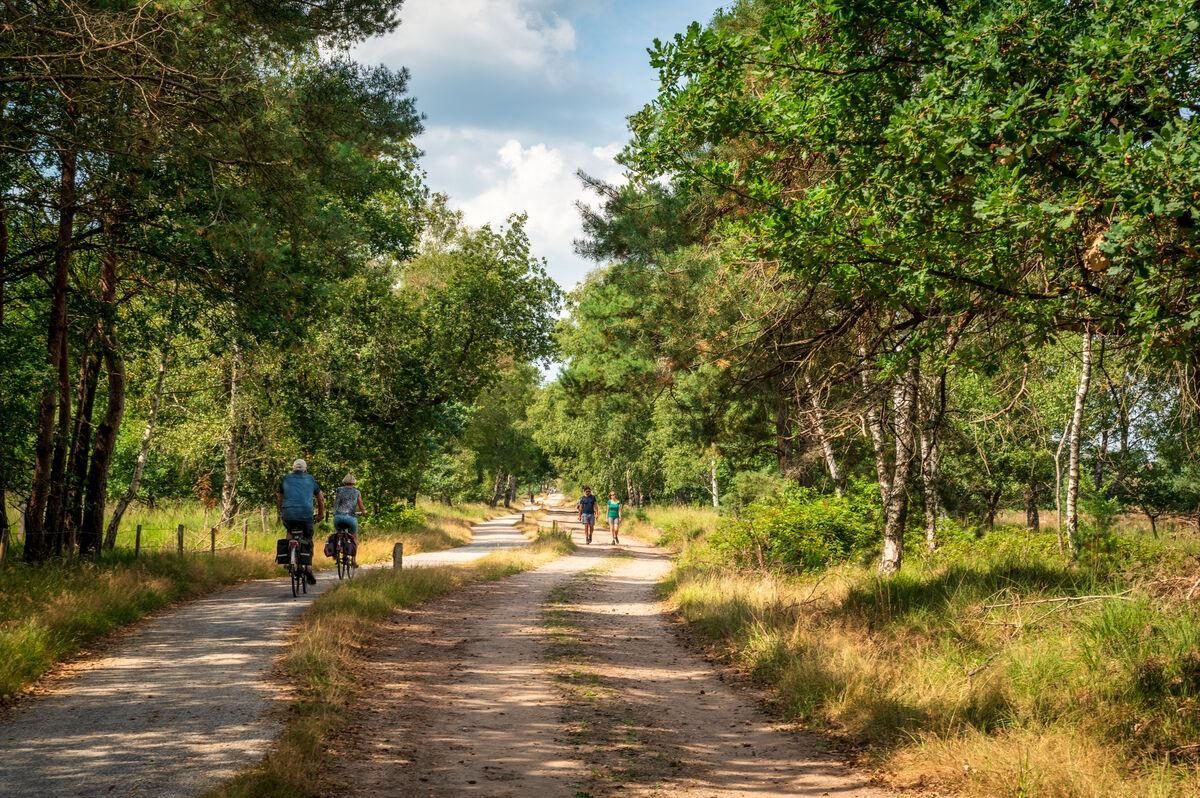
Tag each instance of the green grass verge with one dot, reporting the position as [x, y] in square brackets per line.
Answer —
[320, 661]
[48, 613]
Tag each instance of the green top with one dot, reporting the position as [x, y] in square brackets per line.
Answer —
[614, 509]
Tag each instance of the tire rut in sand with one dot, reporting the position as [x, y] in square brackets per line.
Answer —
[456, 700]
[650, 718]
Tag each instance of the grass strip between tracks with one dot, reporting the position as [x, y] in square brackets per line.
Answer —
[320, 663]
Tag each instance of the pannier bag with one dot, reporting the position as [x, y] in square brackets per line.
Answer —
[351, 545]
[304, 556]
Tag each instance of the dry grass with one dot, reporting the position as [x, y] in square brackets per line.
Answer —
[321, 659]
[1071, 699]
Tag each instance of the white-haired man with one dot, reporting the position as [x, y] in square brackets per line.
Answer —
[295, 496]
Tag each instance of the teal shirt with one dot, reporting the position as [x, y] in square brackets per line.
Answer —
[298, 489]
[614, 509]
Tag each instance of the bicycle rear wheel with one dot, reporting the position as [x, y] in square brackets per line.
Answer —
[297, 580]
[343, 564]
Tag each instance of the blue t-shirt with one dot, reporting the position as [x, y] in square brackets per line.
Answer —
[587, 505]
[298, 489]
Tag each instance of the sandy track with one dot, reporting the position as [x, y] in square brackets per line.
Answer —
[456, 700]
[181, 703]
[565, 682]
[650, 718]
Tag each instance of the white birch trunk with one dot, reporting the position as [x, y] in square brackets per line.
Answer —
[835, 473]
[874, 421]
[931, 413]
[1085, 376]
[896, 506]
[713, 487]
[229, 500]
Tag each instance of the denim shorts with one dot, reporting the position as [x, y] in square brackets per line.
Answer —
[588, 518]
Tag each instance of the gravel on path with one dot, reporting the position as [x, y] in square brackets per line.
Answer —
[183, 702]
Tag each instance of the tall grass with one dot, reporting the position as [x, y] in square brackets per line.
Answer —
[320, 662]
[49, 612]
[983, 669]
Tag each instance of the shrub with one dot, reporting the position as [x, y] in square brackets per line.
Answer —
[799, 531]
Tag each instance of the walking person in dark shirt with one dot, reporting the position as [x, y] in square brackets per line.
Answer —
[587, 513]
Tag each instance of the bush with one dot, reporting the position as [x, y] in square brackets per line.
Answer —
[799, 531]
[402, 518]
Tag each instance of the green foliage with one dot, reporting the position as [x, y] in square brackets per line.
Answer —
[798, 531]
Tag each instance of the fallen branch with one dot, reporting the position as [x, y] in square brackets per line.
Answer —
[1123, 595]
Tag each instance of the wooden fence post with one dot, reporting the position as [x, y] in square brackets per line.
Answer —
[554, 525]
[137, 542]
[398, 556]
[245, 533]
[179, 539]
[213, 546]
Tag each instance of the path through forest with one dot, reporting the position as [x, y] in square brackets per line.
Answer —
[565, 681]
[182, 702]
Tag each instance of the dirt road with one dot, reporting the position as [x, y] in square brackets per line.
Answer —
[181, 703]
[565, 681]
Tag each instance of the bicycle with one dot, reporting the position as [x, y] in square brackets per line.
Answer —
[342, 555]
[294, 559]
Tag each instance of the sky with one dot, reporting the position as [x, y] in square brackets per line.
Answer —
[518, 95]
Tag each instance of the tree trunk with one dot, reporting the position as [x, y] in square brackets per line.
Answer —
[1033, 520]
[92, 528]
[784, 444]
[931, 413]
[81, 439]
[114, 525]
[1153, 525]
[229, 497]
[511, 493]
[37, 544]
[874, 419]
[1058, 516]
[714, 487]
[896, 506]
[831, 463]
[5, 533]
[496, 483]
[1081, 392]
[56, 503]
[993, 505]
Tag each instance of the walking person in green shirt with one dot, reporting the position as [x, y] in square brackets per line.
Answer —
[614, 516]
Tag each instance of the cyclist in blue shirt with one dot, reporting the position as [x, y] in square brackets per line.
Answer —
[297, 491]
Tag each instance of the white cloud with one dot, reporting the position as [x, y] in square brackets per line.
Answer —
[510, 177]
[495, 34]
